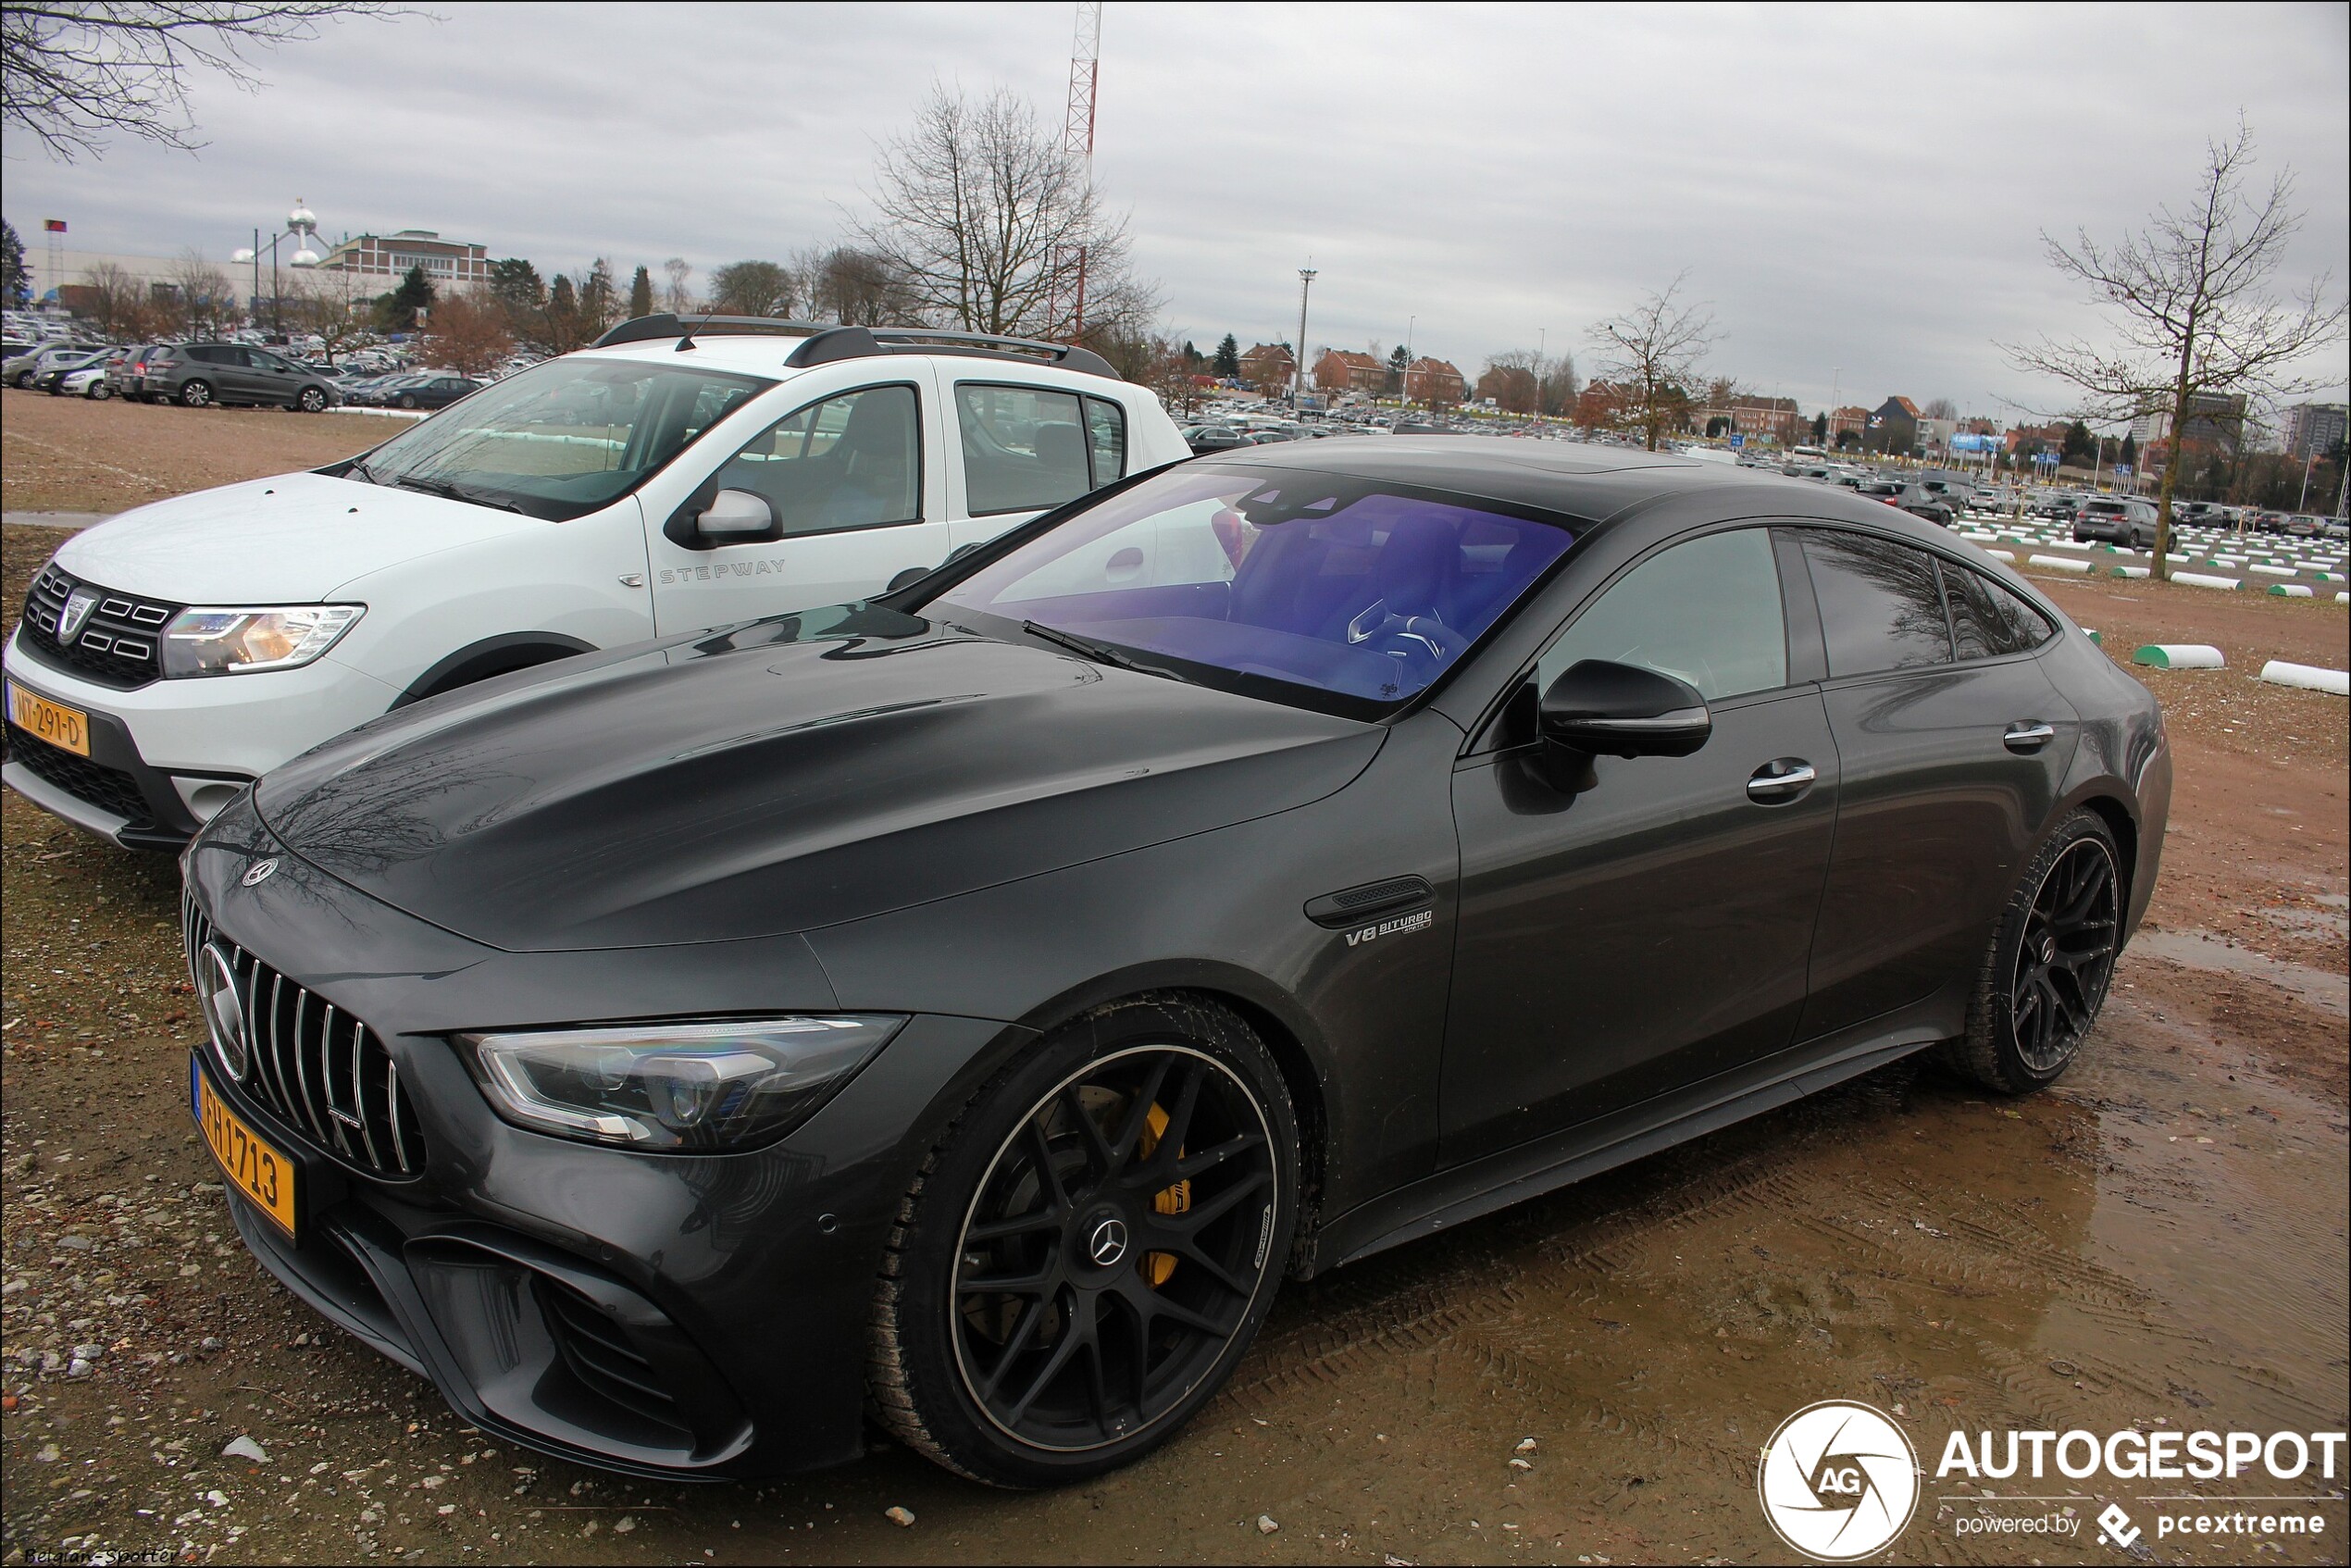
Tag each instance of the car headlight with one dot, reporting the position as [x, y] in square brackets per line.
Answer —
[705, 1087]
[208, 641]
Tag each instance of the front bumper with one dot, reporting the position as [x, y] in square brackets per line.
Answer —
[164, 757]
[681, 1317]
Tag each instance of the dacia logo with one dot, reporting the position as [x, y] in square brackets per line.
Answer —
[79, 604]
[1419, 920]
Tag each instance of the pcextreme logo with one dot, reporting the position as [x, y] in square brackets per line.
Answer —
[1839, 1481]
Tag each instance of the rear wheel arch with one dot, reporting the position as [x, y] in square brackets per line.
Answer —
[502, 654]
[2125, 829]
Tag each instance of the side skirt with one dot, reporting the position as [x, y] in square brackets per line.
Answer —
[1480, 1187]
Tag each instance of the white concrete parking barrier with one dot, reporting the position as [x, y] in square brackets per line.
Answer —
[2277, 672]
[2289, 590]
[2179, 655]
[2128, 571]
[2204, 579]
[2341, 598]
[2267, 571]
[2057, 563]
[2092, 633]
[2008, 555]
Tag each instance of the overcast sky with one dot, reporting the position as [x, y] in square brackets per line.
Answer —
[1858, 194]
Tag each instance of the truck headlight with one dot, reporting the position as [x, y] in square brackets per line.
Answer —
[687, 1086]
[208, 641]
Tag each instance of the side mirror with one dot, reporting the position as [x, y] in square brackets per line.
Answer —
[1605, 709]
[736, 516]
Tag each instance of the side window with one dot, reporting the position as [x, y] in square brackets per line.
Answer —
[849, 462]
[1881, 605]
[1024, 447]
[1988, 619]
[1708, 611]
[1106, 439]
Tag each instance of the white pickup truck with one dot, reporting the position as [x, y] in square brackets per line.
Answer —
[675, 477]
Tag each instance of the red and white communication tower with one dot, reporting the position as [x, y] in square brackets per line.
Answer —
[1077, 143]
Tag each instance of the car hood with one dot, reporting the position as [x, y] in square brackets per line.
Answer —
[790, 773]
[290, 540]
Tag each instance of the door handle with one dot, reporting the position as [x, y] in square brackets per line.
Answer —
[2023, 737]
[1783, 778]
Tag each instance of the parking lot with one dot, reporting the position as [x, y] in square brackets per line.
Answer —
[2162, 1238]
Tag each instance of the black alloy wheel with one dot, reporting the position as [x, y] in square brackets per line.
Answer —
[196, 395]
[2050, 963]
[1116, 1232]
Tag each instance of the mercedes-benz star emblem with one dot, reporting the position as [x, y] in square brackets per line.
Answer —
[1107, 1243]
[259, 872]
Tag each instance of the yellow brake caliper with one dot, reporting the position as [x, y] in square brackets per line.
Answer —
[1176, 1200]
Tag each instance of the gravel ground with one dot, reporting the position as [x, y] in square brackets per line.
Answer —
[2160, 1239]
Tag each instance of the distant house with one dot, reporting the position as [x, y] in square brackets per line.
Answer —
[1893, 427]
[1268, 366]
[1851, 420]
[1342, 369]
[1775, 417]
[1434, 382]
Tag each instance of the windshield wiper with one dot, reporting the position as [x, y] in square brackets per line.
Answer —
[1101, 653]
[450, 491]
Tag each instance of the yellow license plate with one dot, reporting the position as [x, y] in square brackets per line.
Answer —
[253, 1164]
[53, 722]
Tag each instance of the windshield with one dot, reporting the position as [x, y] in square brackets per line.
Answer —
[1318, 590]
[562, 439]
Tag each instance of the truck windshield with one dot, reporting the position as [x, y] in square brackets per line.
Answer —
[1321, 590]
[562, 439]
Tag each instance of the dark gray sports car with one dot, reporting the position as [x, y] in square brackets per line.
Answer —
[968, 1005]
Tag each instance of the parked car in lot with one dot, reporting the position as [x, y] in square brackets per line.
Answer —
[50, 374]
[91, 381]
[201, 374]
[172, 655]
[1919, 501]
[970, 1005]
[1204, 438]
[2115, 521]
[2057, 506]
[27, 370]
[431, 392]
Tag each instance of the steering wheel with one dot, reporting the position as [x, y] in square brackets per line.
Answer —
[1423, 643]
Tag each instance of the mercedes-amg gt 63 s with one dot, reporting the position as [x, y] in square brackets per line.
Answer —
[962, 1009]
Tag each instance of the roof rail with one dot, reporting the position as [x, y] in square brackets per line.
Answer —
[667, 324]
[825, 344]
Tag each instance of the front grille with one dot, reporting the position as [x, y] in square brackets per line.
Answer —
[108, 789]
[319, 1068]
[119, 644]
[599, 1353]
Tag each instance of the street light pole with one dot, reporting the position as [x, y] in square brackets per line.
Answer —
[1298, 369]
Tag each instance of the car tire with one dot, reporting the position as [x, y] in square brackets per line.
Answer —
[100, 393]
[310, 400]
[2051, 958]
[407, 401]
[1093, 1347]
[196, 395]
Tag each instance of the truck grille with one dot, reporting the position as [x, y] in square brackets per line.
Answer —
[119, 644]
[108, 789]
[319, 1068]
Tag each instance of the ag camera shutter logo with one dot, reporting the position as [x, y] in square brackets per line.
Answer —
[1839, 1481]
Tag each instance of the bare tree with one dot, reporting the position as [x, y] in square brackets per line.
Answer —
[207, 299]
[79, 71]
[677, 294]
[1649, 354]
[754, 288]
[855, 287]
[325, 302]
[469, 337]
[1940, 408]
[1561, 384]
[2197, 325]
[991, 227]
[112, 296]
